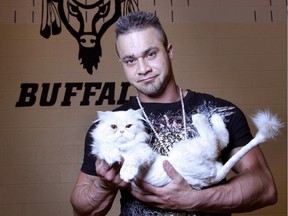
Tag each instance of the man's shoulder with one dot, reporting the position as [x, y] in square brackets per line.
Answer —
[130, 104]
[200, 98]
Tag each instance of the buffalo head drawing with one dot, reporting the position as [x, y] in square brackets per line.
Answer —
[86, 20]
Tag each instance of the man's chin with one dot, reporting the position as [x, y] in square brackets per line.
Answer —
[150, 91]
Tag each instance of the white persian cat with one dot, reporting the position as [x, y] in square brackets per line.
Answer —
[122, 134]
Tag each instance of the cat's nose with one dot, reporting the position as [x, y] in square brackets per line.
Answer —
[122, 131]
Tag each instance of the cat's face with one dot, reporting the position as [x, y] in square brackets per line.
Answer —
[121, 126]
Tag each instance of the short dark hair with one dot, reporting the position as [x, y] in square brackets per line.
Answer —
[140, 20]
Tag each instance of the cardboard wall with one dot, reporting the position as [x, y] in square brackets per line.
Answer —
[235, 50]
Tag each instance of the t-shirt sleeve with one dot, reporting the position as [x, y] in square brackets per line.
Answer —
[88, 165]
[236, 122]
[239, 132]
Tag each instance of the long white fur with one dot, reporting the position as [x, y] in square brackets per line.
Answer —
[113, 140]
[195, 159]
[268, 126]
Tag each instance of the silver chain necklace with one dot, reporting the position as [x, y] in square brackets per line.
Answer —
[165, 147]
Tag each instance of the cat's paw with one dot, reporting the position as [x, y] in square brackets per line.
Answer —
[201, 123]
[220, 130]
[112, 156]
[217, 121]
[128, 172]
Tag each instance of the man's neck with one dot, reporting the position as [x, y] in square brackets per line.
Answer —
[170, 94]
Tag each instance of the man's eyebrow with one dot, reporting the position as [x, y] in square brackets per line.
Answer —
[145, 52]
[127, 57]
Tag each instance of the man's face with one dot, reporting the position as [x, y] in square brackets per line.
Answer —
[146, 62]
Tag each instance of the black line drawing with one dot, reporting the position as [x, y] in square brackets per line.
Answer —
[73, 14]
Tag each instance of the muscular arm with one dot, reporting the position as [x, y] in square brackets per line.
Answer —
[251, 188]
[94, 195]
[90, 196]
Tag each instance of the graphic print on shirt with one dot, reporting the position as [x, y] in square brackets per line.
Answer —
[170, 129]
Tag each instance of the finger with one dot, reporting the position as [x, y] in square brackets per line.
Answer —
[110, 175]
[113, 172]
[149, 199]
[145, 187]
[104, 170]
[101, 164]
[120, 183]
[101, 168]
[170, 170]
[141, 195]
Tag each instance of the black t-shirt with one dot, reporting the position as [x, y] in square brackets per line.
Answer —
[167, 120]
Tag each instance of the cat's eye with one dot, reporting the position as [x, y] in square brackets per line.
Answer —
[129, 125]
[113, 126]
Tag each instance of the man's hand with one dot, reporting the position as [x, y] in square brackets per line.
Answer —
[172, 196]
[110, 175]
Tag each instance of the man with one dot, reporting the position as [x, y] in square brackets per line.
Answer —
[146, 55]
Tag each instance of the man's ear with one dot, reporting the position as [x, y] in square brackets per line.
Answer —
[170, 51]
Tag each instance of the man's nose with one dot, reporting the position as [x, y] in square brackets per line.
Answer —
[143, 66]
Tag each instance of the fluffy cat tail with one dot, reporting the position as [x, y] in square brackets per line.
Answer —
[268, 126]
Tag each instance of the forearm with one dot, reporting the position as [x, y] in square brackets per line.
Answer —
[92, 198]
[244, 192]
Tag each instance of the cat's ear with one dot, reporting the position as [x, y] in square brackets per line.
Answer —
[101, 115]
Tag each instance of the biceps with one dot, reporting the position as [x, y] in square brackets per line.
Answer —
[253, 160]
